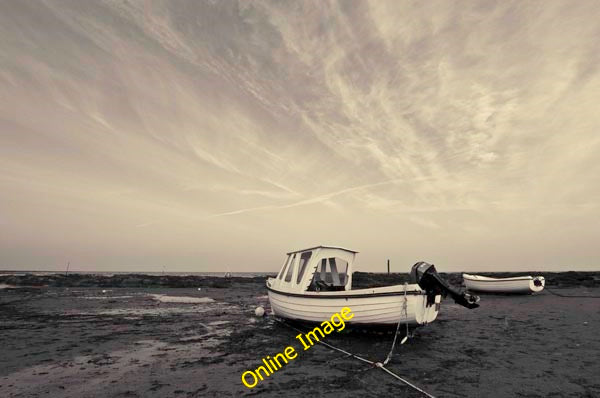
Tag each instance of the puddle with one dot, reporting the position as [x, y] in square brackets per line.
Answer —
[147, 311]
[4, 286]
[216, 323]
[106, 297]
[181, 299]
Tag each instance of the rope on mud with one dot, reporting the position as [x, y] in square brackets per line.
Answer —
[374, 364]
[568, 296]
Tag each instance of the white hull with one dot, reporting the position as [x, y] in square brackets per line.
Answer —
[375, 306]
[516, 285]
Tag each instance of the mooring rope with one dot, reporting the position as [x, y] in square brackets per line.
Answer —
[374, 364]
[405, 308]
[406, 382]
[568, 296]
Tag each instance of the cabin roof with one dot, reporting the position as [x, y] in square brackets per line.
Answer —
[323, 247]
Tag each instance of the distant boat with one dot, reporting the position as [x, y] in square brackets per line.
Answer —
[315, 283]
[227, 274]
[516, 285]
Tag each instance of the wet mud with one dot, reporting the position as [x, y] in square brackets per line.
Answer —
[102, 339]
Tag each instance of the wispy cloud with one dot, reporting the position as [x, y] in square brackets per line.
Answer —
[328, 120]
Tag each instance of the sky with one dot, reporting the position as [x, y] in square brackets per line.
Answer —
[218, 135]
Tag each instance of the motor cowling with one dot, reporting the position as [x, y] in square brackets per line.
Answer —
[426, 276]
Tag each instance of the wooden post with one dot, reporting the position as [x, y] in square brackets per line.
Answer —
[388, 266]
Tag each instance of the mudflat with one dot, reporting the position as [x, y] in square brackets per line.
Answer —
[85, 339]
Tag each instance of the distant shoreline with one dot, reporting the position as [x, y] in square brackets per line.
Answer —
[210, 280]
[268, 273]
[154, 273]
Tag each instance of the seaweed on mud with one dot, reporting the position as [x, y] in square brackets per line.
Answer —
[253, 340]
[126, 280]
[203, 361]
[103, 360]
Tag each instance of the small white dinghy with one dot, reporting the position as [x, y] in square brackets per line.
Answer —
[315, 283]
[515, 285]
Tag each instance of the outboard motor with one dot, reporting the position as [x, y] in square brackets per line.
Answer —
[425, 275]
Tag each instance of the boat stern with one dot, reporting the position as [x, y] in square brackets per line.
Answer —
[429, 312]
[537, 283]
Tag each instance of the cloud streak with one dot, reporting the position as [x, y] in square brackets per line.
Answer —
[312, 200]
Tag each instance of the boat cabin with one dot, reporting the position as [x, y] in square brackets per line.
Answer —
[320, 268]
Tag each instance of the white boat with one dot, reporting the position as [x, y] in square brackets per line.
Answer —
[516, 285]
[315, 283]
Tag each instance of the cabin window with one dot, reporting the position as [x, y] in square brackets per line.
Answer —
[303, 262]
[332, 273]
[342, 268]
[290, 270]
[284, 268]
